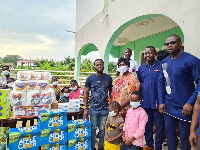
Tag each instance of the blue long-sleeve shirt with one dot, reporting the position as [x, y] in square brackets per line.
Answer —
[178, 77]
[148, 77]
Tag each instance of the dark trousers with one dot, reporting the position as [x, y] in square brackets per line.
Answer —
[154, 116]
[184, 127]
[131, 147]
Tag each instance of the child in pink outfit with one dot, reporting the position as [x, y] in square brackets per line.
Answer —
[134, 126]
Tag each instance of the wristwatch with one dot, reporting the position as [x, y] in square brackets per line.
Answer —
[84, 107]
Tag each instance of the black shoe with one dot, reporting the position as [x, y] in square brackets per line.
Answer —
[93, 148]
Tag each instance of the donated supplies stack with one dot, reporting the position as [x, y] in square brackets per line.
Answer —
[72, 106]
[31, 93]
[4, 131]
[24, 138]
[4, 104]
[79, 135]
[53, 124]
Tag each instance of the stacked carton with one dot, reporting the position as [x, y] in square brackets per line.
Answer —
[53, 126]
[24, 138]
[79, 135]
[31, 93]
[71, 106]
[4, 104]
[4, 131]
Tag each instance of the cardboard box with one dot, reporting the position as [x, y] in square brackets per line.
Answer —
[54, 135]
[52, 118]
[24, 138]
[78, 129]
[56, 146]
[80, 144]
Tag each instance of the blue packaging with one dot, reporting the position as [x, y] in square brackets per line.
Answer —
[54, 135]
[55, 146]
[52, 118]
[80, 144]
[78, 129]
[24, 138]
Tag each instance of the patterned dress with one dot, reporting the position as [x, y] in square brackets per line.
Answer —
[124, 86]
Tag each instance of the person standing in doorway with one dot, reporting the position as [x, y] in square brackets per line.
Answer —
[133, 68]
[177, 92]
[100, 84]
[148, 76]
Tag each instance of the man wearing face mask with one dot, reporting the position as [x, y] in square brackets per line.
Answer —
[6, 76]
[56, 87]
[133, 68]
[148, 76]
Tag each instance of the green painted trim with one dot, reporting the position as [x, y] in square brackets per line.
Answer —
[84, 50]
[117, 33]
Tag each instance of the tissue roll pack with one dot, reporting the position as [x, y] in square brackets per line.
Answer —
[18, 98]
[28, 111]
[78, 129]
[22, 75]
[56, 146]
[33, 75]
[33, 98]
[47, 97]
[5, 109]
[44, 76]
[24, 138]
[43, 85]
[64, 106]
[54, 135]
[80, 144]
[52, 118]
[32, 86]
[20, 86]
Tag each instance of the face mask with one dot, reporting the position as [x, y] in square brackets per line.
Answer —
[66, 94]
[81, 92]
[123, 69]
[74, 88]
[10, 84]
[55, 83]
[5, 72]
[112, 113]
[135, 104]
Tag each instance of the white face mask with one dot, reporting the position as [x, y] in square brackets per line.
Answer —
[112, 113]
[123, 69]
[66, 94]
[5, 72]
[74, 88]
[81, 92]
[55, 83]
[135, 104]
[10, 84]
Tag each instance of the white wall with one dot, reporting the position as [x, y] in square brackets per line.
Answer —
[185, 13]
[86, 10]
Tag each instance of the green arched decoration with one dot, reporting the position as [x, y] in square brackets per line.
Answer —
[84, 51]
[124, 26]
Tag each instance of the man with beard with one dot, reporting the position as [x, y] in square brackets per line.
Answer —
[177, 92]
[99, 84]
[148, 76]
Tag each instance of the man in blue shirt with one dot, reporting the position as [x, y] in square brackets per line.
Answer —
[148, 76]
[195, 124]
[177, 93]
[99, 84]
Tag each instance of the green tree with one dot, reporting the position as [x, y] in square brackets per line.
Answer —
[112, 67]
[11, 59]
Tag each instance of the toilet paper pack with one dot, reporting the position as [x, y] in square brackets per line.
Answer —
[18, 98]
[43, 85]
[33, 98]
[20, 86]
[32, 85]
[44, 76]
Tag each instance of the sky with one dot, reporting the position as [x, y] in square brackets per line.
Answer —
[36, 28]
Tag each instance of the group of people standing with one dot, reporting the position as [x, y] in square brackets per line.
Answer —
[163, 94]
